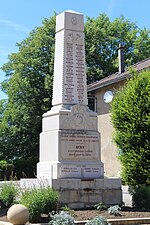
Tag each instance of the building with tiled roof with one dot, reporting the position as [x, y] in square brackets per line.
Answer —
[101, 93]
[118, 77]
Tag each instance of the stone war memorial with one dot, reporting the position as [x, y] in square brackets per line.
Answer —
[70, 157]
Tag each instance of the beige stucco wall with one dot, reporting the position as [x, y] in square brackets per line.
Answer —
[109, 151]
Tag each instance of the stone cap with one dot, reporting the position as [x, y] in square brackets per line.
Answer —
[70, 20]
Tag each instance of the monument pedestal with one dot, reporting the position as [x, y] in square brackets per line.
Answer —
[69, 145]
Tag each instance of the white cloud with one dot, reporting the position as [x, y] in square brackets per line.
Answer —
[14, 25]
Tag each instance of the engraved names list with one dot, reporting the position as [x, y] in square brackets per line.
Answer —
[75, 79]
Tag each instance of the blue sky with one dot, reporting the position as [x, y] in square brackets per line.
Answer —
[19, 17]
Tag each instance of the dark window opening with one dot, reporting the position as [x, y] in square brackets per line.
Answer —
[92, 103]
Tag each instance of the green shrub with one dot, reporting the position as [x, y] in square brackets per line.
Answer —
[98, 220]
[141, 197]
[25, 168]
[114, 210]
[100, 206]
[8, 194]
[131, 120]
[68, 210]
[39, 201]
[6, 170]
[62, 218]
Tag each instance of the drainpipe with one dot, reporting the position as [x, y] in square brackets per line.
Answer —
[121, 58]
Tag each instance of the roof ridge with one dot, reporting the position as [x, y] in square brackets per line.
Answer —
[116, 73]
[140, 62]
[116, 77]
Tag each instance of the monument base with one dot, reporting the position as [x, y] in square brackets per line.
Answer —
[82, 193]
[85, 193]
[70, 169]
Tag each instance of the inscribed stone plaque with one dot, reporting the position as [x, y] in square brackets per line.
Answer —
[81, 171]
[79, 145]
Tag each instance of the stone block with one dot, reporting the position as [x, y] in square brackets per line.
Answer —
[87, 184]
[99, 184]
[70, 183]
[112, 183]
[65, 196]
[56, 183]
[75, 196]
[84, 197]
[95, 198]
[112, 197]
[79, 205]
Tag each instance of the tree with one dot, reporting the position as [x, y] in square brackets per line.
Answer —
[131, 120]
[29, 74]
[29, 88]
[102, 39]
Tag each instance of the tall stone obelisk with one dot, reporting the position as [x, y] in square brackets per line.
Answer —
[69, 70]
[70, 142]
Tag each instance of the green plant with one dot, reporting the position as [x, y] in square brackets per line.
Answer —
[8, 194]
[62, 218]
[6, 170]
[3, 163]
[98, 220]
[25, 168]
[114, 210]
[39, 201]
[68, 210]
[100, 206]
[141, 197]
[131, 120]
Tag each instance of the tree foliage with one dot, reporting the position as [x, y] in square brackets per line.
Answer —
[29, 87]
[29, 75]
[102, 39]
[131, 120]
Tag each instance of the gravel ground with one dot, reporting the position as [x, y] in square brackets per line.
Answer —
[89, 214]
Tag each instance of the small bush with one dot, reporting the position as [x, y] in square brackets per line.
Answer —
[8, 194]
[67, 210]
[100, 206]
[114, 210]
[141, 197]
[39, 201]
[98, 220]
[62, 218]
[6, 170]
